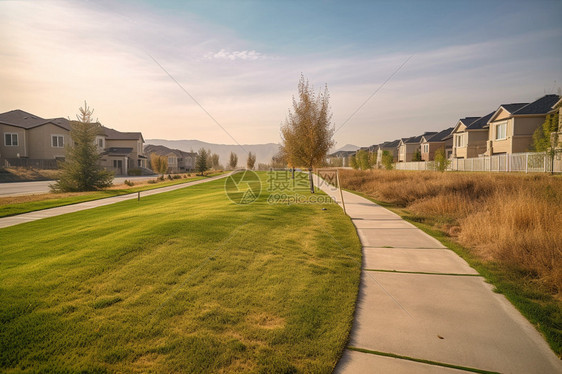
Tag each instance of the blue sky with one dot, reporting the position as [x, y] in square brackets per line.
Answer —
[241, 61]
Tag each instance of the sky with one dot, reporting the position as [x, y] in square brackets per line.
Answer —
[225, 71]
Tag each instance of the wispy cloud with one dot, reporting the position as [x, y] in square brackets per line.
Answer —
[224, 54]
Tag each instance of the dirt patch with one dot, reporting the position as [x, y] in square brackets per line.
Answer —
[26, 174]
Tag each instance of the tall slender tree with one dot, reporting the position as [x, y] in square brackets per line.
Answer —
[251, 162]
[81, 170]
[306, 134]
[233, 160]
[202, 162]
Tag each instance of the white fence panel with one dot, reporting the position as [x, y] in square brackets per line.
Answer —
[530, 162]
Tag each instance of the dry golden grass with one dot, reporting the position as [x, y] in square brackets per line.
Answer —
[512, 219]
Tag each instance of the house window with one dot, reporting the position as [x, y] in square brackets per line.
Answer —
[57, 141]
[501, 130]
[100, 142]
[426, 148]
[172, 160]
[460, 141]
[10, 139]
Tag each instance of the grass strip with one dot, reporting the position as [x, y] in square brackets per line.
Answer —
[50, 202]
[184, 281]
[422, 361]
[422, 272]
[537, 307]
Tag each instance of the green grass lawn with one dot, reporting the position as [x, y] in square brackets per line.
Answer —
[51, 201]
[184, 281]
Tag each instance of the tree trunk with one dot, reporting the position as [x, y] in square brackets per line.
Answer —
[311, 180]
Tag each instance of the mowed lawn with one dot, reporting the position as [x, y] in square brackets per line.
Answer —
[184, 281]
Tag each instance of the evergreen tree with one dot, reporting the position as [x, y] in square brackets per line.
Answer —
[201, 164]
[81, 170]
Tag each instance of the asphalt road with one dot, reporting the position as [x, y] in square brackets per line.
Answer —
[38, 187]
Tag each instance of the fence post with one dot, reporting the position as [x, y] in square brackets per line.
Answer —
[527, 163]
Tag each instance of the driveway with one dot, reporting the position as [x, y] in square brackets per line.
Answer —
[39, 187]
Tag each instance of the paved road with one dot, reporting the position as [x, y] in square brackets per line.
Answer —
[40, 214]
[38, 187]
[419, 300]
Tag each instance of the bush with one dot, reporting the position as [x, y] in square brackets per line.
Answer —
[134, 172]
[152, 181]
[129, 183]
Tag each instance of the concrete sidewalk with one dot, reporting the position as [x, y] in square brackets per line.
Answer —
[420, 301]
[52, 212]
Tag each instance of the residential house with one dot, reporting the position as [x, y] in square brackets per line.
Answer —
[178, 161]
[391, 147]
[511, 127]
[409, 146]
[431, 143]
[121, 151]
[470, 136]
[27, 136]
[340, 158]
[31, 140]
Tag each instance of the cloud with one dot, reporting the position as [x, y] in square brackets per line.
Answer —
[224, 54]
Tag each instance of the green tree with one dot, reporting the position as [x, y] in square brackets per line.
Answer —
[306, 134]
[441, 161]
[202, 161]
[81, 170]
[251, 161]
[417, 155]
[233, 160]
[353, 162]
[546, 135]
[387, 160]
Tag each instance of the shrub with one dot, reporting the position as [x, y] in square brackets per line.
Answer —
[134, 172]
[129, 183]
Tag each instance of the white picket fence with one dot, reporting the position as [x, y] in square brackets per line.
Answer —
[529, 162]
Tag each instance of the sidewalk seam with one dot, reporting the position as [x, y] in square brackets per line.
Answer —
[421, 360]
[421, 272]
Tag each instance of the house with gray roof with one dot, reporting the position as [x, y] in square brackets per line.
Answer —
[431, 143]
[469, 136]
[178, 161]
[389, 146]
[409, 146]
[511, 127]
[28, 139]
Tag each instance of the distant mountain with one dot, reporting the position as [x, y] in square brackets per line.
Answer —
[347, 147]
[263, 152]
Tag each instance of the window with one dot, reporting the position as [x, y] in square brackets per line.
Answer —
[501, 130]
[425, 148]
[172, 160]
[461, 142]
[57, 141]
[10, 139]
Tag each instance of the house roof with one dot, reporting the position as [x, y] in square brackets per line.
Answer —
[25, 120]
[438, 137]
[417, 139]
[164, 151]
[480, 123]
[392, 144]
[118, 151]
[112, 134]
[539, 106]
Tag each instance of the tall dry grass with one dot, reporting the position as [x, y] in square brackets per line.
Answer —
[512, 219]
